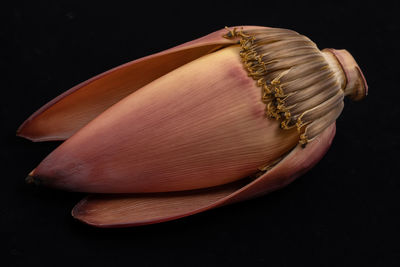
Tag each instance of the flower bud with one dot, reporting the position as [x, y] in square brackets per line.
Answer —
[200, 118]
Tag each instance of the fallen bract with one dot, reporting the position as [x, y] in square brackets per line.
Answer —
[230, 116]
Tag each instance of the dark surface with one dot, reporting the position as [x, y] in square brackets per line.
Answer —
[342, 213]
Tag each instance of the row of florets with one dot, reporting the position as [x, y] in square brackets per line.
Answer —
[272, 93]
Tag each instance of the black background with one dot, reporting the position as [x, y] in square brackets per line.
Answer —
[344, 212]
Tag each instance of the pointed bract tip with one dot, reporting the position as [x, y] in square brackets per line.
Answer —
[32, 179]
